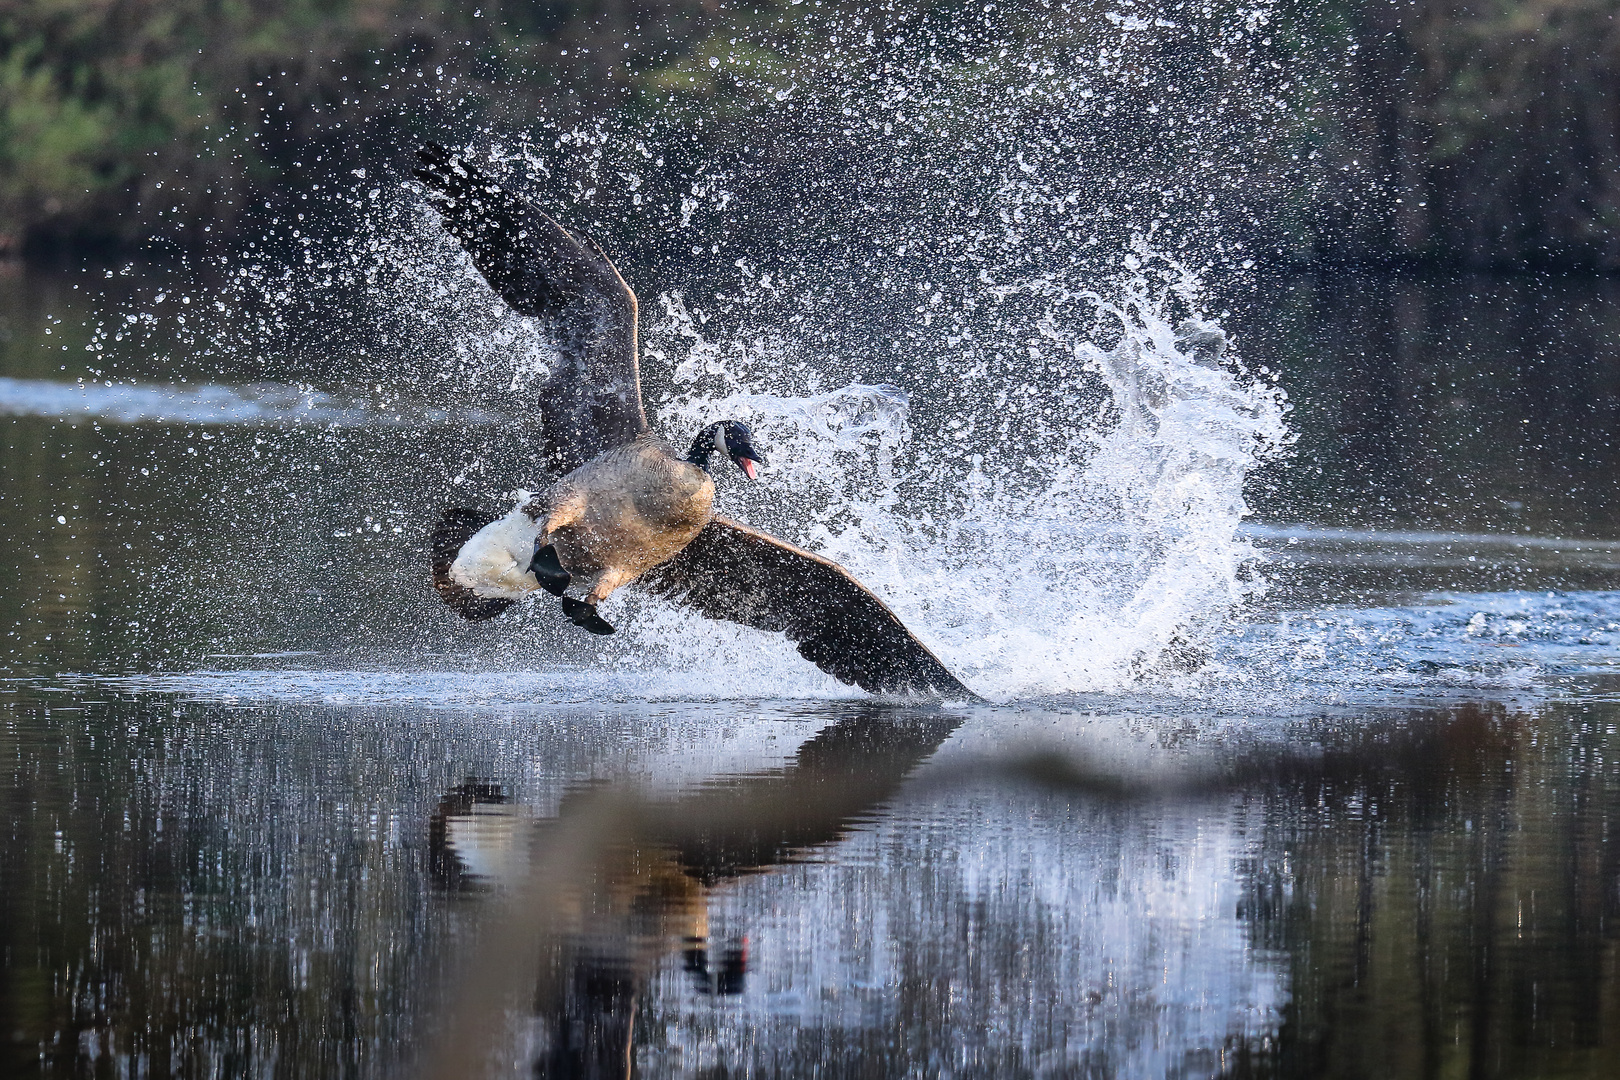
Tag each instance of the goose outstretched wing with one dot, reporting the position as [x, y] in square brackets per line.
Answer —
[592, 402]
[742, 575]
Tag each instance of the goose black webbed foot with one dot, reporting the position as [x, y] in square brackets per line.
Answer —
[582, 614]
[548, 570]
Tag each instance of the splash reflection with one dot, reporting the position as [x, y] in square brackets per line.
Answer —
[195, 888]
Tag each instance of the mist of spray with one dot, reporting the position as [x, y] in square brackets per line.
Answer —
[1094, 548]
[948, 267]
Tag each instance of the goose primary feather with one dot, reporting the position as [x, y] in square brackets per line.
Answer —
[627, 505]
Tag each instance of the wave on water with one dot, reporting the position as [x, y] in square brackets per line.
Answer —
[259, 404]
[1501, 642]
[1518, 645]
[1408, 539]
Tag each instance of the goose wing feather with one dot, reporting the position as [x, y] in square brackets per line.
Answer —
[742, 575]
[592, 401]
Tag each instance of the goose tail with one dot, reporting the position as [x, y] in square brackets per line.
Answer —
[454, 529]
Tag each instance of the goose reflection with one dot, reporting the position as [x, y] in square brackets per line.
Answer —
[619, 885]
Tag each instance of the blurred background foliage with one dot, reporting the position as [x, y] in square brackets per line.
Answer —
[1476, 135]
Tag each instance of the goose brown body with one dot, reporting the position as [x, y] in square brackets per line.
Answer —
[626, 511]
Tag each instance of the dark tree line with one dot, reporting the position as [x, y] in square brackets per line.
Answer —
[1481, 135]
[1478, 135]
[125, 119]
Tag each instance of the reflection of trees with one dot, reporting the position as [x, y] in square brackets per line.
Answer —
[176, 898]
[1464, 404]
[53, 569]
[1444, 889]
[639, 893]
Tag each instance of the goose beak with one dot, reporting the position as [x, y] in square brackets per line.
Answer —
[748, 468]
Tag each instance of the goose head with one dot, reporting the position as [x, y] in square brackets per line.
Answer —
[732, 438]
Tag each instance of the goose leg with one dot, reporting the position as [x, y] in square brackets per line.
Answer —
[548, 569]
[584, 614]
[607, 583]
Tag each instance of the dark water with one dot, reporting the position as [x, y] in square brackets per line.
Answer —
[296, 824]
[200, 888]
[1456, 405]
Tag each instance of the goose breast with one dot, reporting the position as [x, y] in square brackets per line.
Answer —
[631, 508]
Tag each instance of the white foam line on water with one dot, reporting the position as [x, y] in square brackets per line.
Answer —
[442, 689]
[263, 404]
[1407, 538]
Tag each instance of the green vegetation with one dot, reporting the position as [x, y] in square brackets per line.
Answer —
[1481, 135]
[1473, 134]
[126, 119]
[115, 111]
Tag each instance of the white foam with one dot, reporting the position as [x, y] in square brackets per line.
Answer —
[455, 689]
[260, 404]
[1405, 538]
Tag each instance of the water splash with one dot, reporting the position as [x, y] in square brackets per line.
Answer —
[1037, 459]
[1109, 561]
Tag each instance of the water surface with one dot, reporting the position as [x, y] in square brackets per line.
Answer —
[269, 811]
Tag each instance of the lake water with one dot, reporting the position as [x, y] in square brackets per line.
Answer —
[270, 811]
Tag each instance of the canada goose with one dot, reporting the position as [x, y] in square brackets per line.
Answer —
[629, 506]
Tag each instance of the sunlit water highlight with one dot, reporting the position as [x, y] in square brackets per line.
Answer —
[263, 404]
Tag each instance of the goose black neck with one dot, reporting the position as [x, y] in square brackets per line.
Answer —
[703, 446]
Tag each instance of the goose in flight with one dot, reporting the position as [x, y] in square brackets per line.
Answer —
[628, 505]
